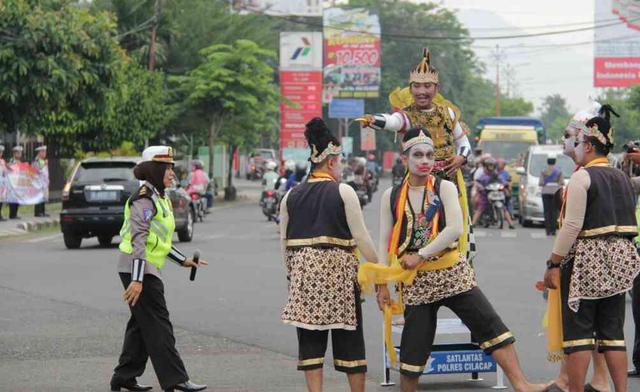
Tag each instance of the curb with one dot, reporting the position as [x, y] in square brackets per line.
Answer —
[29, 226]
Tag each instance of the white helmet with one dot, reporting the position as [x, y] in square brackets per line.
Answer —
[271, 165]
[290, 165]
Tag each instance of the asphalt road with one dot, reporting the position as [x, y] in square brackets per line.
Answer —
[62, 317]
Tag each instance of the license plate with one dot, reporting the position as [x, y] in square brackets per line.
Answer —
[269, 201]
[102, 196]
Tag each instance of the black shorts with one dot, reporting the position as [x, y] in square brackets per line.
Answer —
[597, 321]
[348, 347]
[420, 323]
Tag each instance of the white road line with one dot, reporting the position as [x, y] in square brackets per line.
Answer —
[42, 239]
[507, 234]
[538, 236]
[480, 233]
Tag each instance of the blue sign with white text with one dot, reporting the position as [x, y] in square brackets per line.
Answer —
[450, 362]
[346, 108]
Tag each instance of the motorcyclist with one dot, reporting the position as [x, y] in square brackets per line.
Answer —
[298, 176]
[199, 181]
[398, 169]
[289, 168]
[506, 177]
[270, 178]
[490, 175]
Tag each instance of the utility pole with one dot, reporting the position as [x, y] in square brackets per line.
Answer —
[497, 57]
[152, 48]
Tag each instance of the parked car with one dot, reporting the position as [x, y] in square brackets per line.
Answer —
[93, 201]
[530, 197]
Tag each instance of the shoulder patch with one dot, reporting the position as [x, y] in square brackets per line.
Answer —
[143, 191]
[147, 214]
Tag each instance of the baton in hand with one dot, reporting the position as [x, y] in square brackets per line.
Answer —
[196, 257]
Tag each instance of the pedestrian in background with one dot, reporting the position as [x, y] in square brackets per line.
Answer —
[146, 242]
[41, 165]
[551, 181]
[15, 160]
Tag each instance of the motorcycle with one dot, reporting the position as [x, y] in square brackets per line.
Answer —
[269, 202]
[494, 213]
[200, 204]
[397, 180]
[358, 185]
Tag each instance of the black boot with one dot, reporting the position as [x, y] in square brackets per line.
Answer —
[187, 387]
[131, 385]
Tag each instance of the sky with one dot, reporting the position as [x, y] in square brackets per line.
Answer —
[537, 71]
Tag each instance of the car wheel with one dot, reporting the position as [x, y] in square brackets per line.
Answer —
[105, 240]
[71, 240]
[186, 234]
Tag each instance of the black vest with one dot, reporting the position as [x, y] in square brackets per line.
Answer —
[317, 217]
[406, 236]
[611, 204]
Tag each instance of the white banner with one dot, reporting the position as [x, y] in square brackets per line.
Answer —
[22, 183]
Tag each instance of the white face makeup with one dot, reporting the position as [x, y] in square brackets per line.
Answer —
[579, 148]
[421, 160]
[569, 143]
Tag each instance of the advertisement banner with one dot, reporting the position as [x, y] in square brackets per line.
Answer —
[367, 139]
[278, 7]
[346, 108]
[303, 90]
[352, 54]
[617, 46]
[23, 184]
[347, 145]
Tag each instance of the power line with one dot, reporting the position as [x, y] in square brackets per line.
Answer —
[460, 38]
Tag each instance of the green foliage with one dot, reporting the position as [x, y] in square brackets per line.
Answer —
[554, 115]
[56, 60]
[233, 85]
[627, 104]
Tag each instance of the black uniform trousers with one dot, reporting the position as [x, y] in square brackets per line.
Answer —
[149, 334]
[13, 210]
[550, 213]
[38, 209]
[635, 308]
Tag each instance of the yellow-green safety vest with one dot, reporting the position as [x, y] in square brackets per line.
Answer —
[160, 235]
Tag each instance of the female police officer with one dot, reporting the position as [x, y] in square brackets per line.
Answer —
[146, 242]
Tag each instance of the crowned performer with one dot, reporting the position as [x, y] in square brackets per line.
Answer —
[421, 222]
[321, 226]
[427, 109]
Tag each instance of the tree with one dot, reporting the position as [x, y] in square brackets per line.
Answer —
[234, 83]
[555, 115]
[57, 62]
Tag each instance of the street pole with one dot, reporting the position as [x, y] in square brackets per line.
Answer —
[152, 49]
[497, 57]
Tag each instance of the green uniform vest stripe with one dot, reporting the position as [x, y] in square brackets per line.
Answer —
[160, 235]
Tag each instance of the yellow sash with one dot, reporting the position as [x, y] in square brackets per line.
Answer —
[371, 274]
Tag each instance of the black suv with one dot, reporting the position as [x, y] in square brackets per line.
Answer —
[94, 198]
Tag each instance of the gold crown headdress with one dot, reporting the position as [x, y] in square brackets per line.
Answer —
[593, 131]
[331, 149]
[423, 73]
[420, 139]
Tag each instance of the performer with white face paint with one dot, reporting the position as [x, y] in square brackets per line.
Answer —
[594, 261]
[420, 225]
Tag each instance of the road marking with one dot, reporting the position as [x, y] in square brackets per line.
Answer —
[480, 233]
[42, 239]
[506, 234]
[538, 236]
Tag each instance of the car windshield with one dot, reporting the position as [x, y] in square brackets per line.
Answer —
[101, 172]
[508, 150]
[266, 154]
[538, 163]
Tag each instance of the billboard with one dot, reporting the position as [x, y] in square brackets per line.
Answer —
[300, 51]
[616, 43]
[367, 139]
[352, 54]
[279, 7]
[346, 108]
[301, 86]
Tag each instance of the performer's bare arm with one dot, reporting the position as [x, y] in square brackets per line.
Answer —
[453, 216]
[574, 214]
[284, 221]
[355, 220]
[386, 225]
